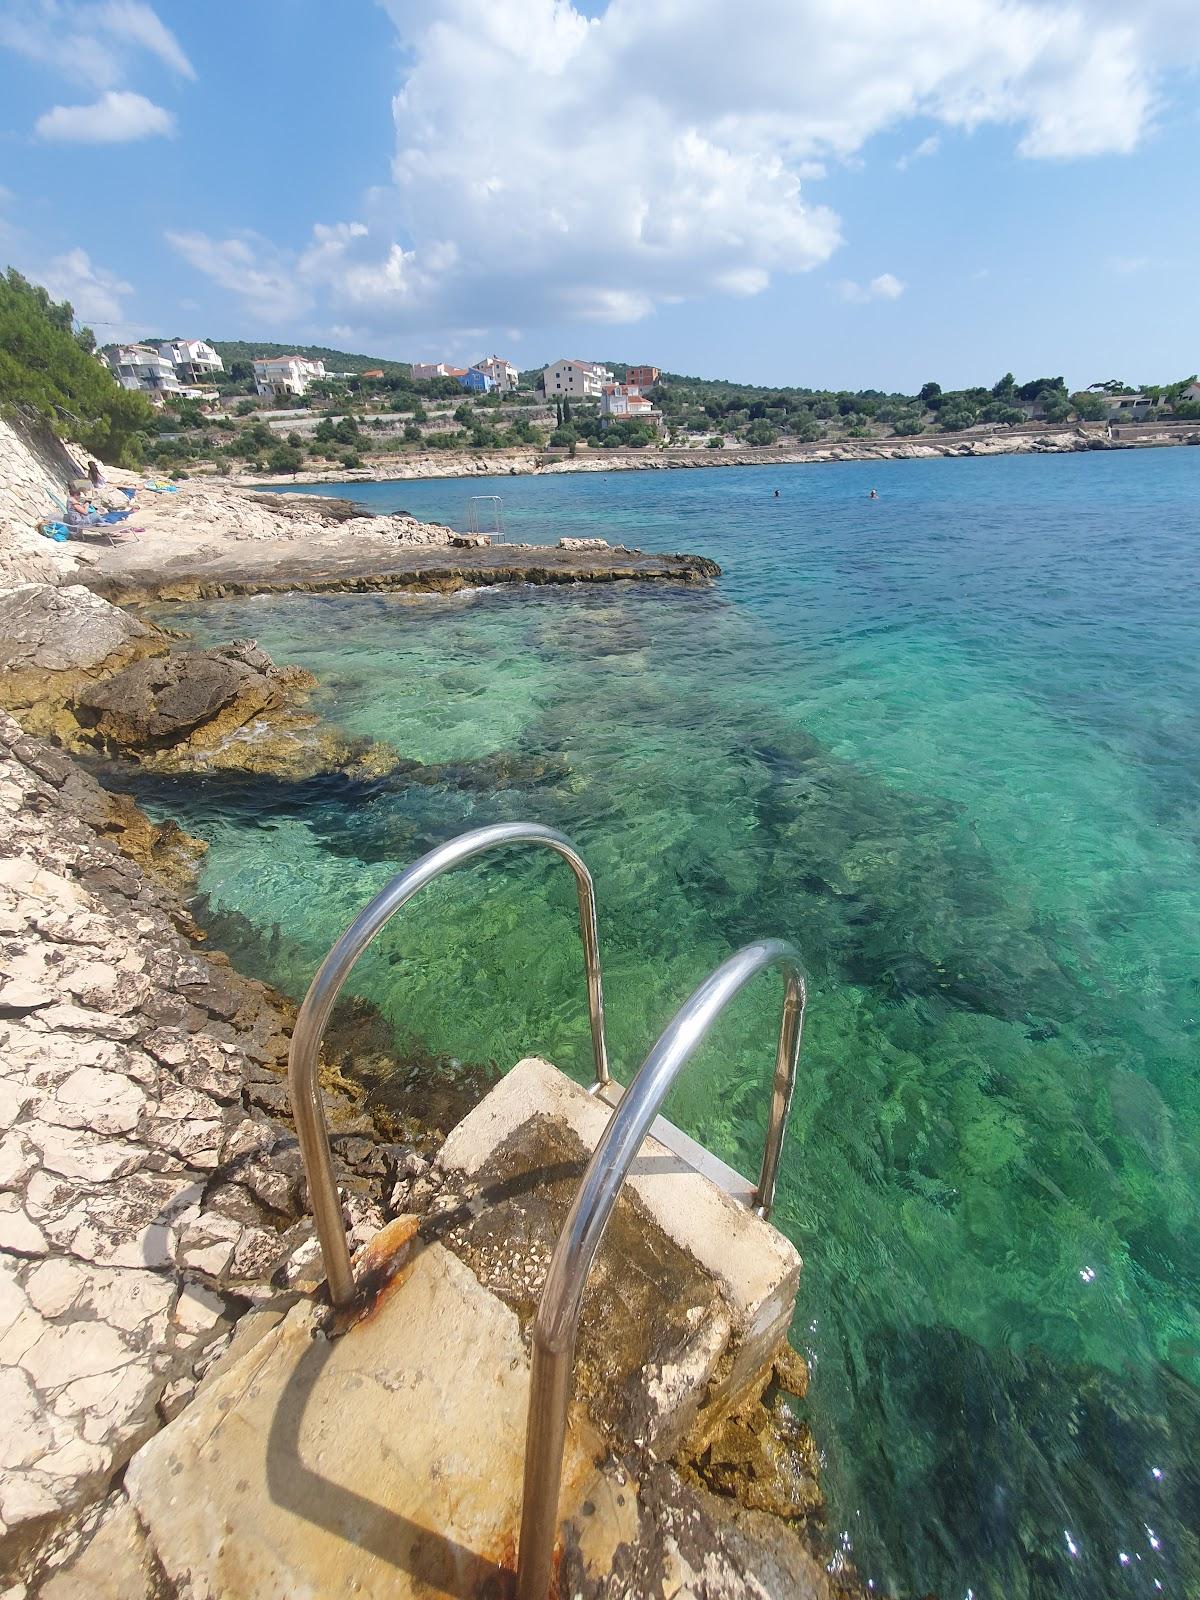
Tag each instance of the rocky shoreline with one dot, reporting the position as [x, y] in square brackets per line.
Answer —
[1051, 440]
[153, 1196]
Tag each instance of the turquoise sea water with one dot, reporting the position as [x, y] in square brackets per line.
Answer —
[949, 743]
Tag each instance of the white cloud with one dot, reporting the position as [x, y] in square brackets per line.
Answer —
[137, 24]
[927, 147]
[95, 294]
[118, 117]
[93, 42]
[885, 287]
[654, 153]
[1126, 266]
[251, 268]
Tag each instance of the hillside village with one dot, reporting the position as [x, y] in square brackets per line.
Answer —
[283, 412]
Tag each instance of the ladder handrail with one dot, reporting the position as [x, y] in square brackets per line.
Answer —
[307, 1107]
[557, 1321]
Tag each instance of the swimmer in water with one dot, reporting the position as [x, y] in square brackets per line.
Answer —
[874, 495]
[777, 494]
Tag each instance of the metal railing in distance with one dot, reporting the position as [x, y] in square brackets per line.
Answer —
[557, 1322]
[307, 1107]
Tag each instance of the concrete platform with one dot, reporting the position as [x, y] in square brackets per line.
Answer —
[380, 1464]
[691, 1292]
[388, 1461]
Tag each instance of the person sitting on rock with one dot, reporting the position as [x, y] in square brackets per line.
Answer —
[79, 513]
[96, 475]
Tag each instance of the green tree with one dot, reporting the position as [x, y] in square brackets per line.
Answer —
[523, 431]
[716, 442]
[804, 426]
[930, 394]
[285, 459]
[566, 413]
[760, 432]
[956, 415]
[46, 372]
[258, 437]
[1090, 407]
[1038, 386]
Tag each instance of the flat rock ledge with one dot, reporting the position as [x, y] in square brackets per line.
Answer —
[349, 562]
[149, 1199]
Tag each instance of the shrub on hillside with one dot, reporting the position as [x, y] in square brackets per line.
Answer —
[285, 459]
[47, 371]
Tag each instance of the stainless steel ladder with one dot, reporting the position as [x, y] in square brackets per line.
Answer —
[557, 1321]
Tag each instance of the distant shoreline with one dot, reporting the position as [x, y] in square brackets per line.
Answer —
[538, 463]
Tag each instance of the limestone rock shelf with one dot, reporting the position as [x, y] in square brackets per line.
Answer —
[362, 562]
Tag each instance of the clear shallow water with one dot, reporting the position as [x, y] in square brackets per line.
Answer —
[949, 742]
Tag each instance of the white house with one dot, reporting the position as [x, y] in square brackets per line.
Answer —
[192, 359]
[280, 375]
[141, 366]
[502, 373]
[575, 380]
[1192, 392]
[422, 371]
[624, 400]
[1129, 407]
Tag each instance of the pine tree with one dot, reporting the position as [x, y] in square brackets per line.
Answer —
[566, 416]
[558, 413]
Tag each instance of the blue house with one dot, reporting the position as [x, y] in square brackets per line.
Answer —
[478, 382]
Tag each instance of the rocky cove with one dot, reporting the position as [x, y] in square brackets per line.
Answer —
[155, 1246]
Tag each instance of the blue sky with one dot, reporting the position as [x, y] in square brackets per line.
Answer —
[827, 194]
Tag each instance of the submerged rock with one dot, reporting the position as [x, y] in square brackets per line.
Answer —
[158, 703]
[229, 708]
